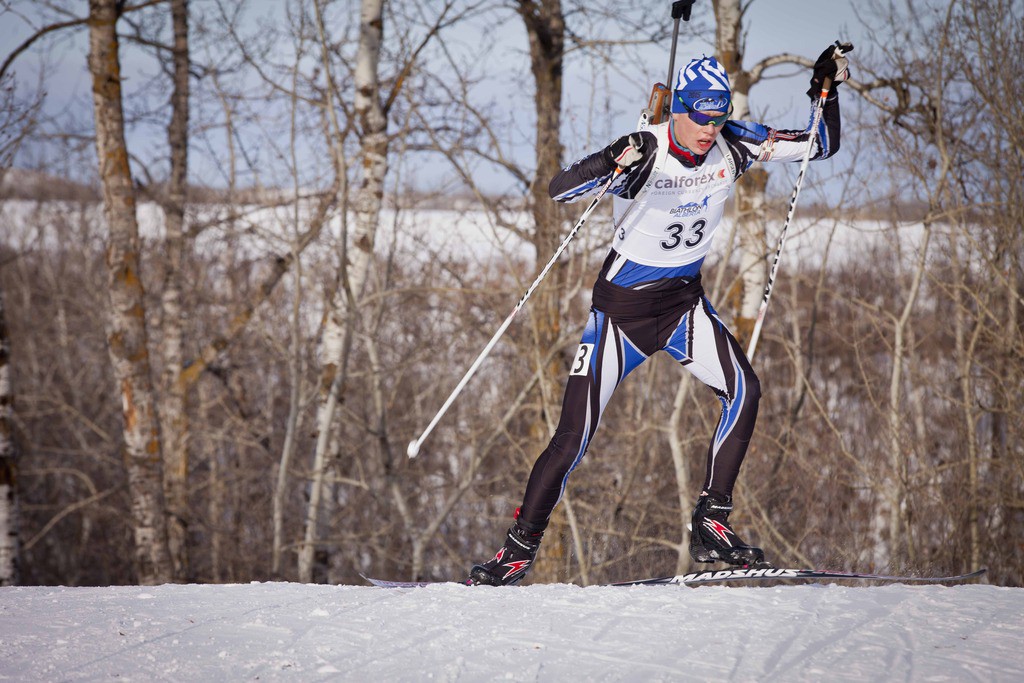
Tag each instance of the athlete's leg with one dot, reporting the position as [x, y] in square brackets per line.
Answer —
[605, 356]
[705, 347]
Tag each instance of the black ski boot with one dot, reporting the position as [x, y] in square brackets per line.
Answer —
[512, 561]
[712, 538]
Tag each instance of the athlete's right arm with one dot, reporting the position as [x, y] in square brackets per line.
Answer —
[587, 176]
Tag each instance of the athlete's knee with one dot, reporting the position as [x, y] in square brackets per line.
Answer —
[752, 387]
[555, 463]
[565, 446]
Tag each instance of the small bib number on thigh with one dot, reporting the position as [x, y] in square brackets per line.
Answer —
[582, 359]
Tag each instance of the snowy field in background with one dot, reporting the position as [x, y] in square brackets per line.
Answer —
[463, 232]
[294, 632]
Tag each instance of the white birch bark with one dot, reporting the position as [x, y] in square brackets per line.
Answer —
[686, 496]
[173, 409]
[9, 517]
[295, 363]
[750, 214]
[126, 326]
[357, 254]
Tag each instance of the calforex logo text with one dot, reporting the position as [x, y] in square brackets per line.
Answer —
[679, 182]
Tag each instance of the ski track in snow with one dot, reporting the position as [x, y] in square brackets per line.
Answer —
[294, 632]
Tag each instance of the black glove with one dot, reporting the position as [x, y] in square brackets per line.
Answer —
[625, 152]
[831, 64]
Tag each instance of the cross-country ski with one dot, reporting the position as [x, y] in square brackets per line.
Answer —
[739, 574]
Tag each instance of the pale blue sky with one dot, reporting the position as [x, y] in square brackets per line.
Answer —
[803, 27]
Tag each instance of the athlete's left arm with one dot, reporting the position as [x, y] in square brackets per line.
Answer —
[790, 145]
[750, 142]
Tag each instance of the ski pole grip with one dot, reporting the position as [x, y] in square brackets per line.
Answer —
[839, 52]
[826, 85]
[681, 8]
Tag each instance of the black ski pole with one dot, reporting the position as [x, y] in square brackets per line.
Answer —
[661, 94]
[680, 9]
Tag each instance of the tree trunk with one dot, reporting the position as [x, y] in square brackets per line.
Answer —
[292, 425]
[750, 189]
[752, 226]
[173, 409]
[126, 325]
[545, 28]
[899, 536]
[357, 253]
[10, 539]
[680, 462]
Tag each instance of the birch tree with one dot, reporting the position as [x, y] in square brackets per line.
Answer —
[16, 122]
[750, 208]
[545, 30]
[173, 409]
[10, 530]
[126, 323]
[750, 204]
[344, 323]
[358, 246]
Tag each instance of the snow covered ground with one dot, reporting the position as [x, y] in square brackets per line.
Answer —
[293, 632]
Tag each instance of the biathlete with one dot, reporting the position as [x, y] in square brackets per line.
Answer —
[648, 296]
